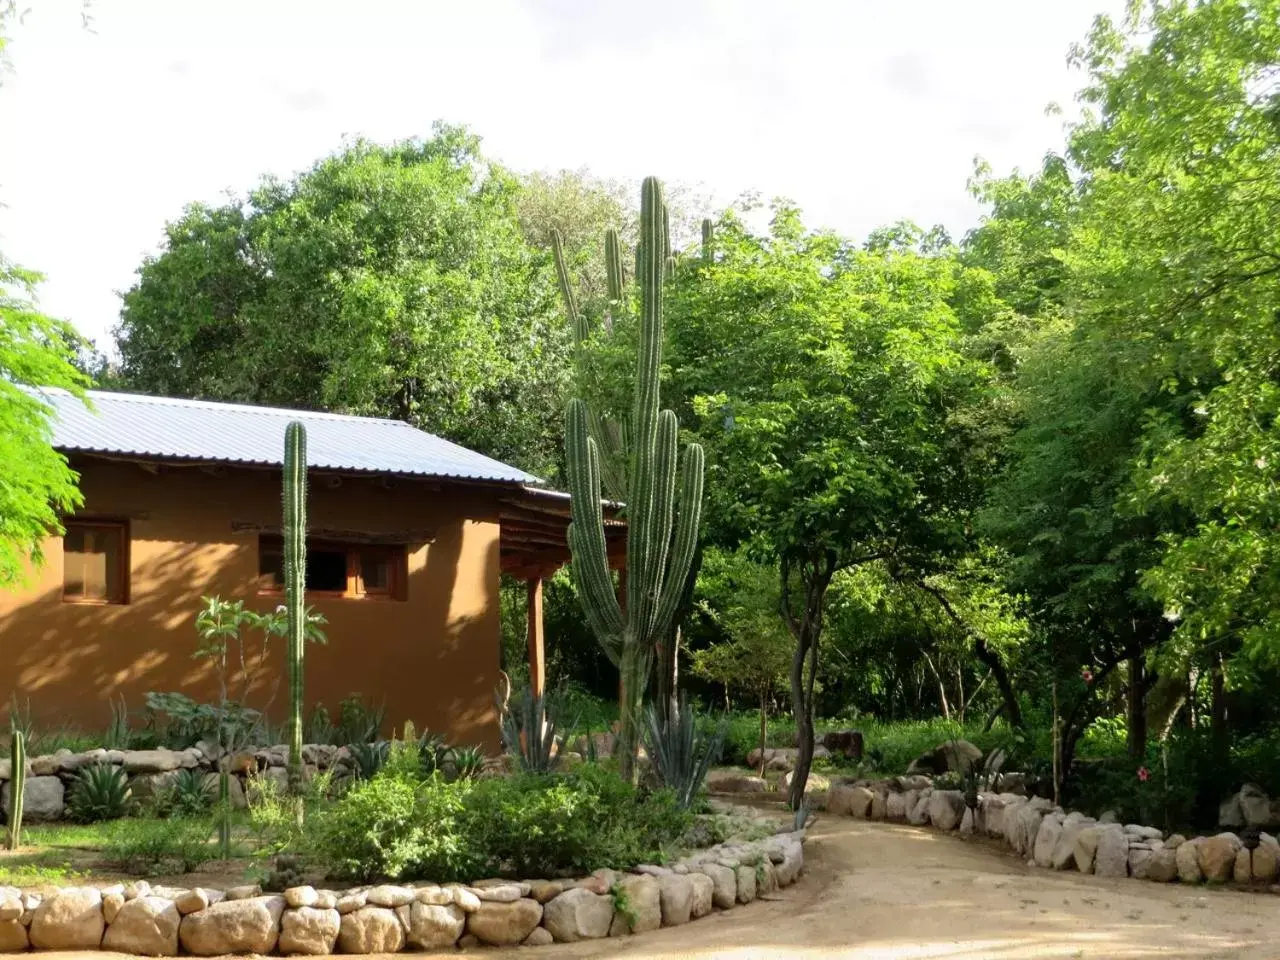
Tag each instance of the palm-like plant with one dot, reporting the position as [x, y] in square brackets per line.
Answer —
[681, 750]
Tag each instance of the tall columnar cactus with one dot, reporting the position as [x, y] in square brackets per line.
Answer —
[660, 544]
[17, 787]
[295, 585]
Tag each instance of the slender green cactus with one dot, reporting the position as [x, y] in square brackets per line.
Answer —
[295, 586]
[660, 544]
[17, 787]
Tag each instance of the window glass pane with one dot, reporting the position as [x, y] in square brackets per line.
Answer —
[327, 570]
[270, 566]
[375, 571]
[91, 563]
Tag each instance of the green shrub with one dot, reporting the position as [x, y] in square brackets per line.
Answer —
[369, 757]
[177, 843]
[395, 827]
[100, 792]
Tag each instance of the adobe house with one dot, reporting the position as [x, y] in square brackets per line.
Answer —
[407, 537]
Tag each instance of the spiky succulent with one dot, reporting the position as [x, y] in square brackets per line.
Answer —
[100, 792]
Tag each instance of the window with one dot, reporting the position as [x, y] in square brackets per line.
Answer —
[338, 569]
[95, 562]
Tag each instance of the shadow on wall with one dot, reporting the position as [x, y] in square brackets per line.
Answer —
[433, 659]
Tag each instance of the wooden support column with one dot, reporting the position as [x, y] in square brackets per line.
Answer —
[537, 640]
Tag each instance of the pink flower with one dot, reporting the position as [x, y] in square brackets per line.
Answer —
[1144, 774]
[1087, 675]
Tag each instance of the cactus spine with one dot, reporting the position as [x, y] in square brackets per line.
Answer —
[295, 585]
[660, 545]
[17, 787]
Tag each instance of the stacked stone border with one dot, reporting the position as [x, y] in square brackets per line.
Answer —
[158, 921]
[147, 920]
[1048, 836]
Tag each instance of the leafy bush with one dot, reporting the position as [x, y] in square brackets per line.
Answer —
[358, 723]
[100, 792]
[180, 721]
[177, 843]
[398, 827]
[394, 827]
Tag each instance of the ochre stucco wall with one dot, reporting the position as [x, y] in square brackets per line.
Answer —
[432, 658]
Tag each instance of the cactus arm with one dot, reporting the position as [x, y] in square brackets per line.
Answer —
[587, 540]
[17, 787]
[295, 585]
[685, 544]
[613, 264]
[576, 319]
[660, 522]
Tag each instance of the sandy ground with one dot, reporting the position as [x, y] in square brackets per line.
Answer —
[877, 891]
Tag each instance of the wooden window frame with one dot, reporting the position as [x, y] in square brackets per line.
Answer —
[118, 592]
[397, 557]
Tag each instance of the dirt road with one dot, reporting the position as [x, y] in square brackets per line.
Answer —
[878, 891]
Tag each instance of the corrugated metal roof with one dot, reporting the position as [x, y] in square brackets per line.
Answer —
[168, 428]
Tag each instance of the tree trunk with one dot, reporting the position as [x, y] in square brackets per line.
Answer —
[815, 573]
[1220, 743]
[633, 670]
[764, 728]
[1137, 708]
[942, 689]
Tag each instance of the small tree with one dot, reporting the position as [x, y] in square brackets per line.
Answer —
[741, 597]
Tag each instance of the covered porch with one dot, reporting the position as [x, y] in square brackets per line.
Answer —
[534, 545]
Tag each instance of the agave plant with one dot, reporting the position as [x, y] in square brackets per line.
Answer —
[433, 751]
[100, 792]
[369, 758]
[192, 792]
[529, 729]
[468, 762]
[681, 751]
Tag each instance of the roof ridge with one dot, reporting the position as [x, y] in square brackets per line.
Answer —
[259, 409]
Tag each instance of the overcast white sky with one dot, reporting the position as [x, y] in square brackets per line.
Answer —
[863, 111]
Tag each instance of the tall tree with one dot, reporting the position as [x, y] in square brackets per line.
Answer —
[822, 374]
[35, 351]
[386, 280]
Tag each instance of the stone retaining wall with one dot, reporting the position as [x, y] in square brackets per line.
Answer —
[157, 921]
[49, 777]
[1050, 837]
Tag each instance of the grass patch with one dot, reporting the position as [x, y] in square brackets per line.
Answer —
[76, 836]
[33, 869]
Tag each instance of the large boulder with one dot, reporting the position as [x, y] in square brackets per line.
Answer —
[13, 937]
[644, 902]
[579, 914]
[506, 924]
[703, 890]
[153, 761]
[1064, 851]
[1026, 825]
[1163, 865]
[1187, 857]
[370, 930]
[895, 806]
[725, 884]
[919, 815]
[849, 801]
[233, 926]
[1140, 856]
[433, 926]
[1112, 857]
[146, 926]
[1086, 848]
[69, 919]
[879, 807]
[1046, 840]
[728, 781]
[814, 783]
[310, 931]
[946, 808]
[1255, 806]
[1266, 858]
[675, 893]
[959, 756]
[746, 880]
[1217, 856]
[43, 798]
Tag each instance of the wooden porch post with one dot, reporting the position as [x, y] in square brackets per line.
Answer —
[537, 645]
